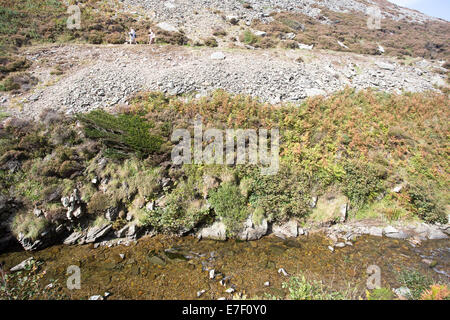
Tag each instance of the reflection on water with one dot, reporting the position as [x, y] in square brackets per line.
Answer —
[177, 268]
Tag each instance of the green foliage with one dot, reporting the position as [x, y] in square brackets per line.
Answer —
[26, 285]
[229, 204]
[250, 38]
[282, 196]
[9, 85]
[123, 134]
[362, 182]
[302, 289]
[380, 294]
[183, 209]
[425, 204]
[30, 226]
[415, 281]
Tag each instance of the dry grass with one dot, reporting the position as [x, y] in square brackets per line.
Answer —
[399, 38]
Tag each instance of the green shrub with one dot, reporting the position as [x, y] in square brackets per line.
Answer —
[9, 85]
[415, 281]
[229, 204]
[183, 209]
[282, 196]
[425, 205]
[122, 134]
[302, 289]
[362, 182]
[249, 38]
[380, 294]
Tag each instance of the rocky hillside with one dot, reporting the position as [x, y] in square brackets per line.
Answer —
[330, 24]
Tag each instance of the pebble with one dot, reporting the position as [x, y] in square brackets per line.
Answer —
[200, 293]
[283, 272]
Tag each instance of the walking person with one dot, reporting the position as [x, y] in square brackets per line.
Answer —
[132, 35]
[151, 36]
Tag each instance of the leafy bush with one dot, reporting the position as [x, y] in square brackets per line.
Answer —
[415, 281]
[282, 196]
[183, 209]
[425, 205]
[229, 204]
[380, 294]
[362, 182]
[302, 289]
[249, 38]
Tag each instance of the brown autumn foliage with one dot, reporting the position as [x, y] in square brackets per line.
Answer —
[398, 38]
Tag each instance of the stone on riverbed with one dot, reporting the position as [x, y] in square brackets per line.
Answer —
[283, 272]
[218, 56]
[436, 234]
[287, 230]
[23, 265]
[403, 292]
[394, 233]
[217, 231]
[200, 293]
[375, 231]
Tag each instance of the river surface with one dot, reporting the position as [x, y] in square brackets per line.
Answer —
[177, 268]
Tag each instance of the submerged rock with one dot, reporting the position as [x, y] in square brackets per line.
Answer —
[200, 293]
[23, 265]
[156, 260]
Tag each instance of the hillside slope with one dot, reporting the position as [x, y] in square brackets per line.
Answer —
[330, 24]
